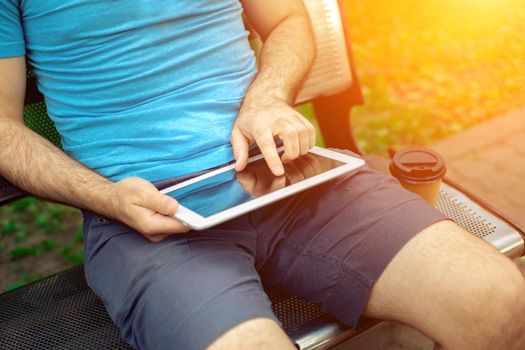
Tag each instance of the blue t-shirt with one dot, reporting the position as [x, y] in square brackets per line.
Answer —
[144, 88]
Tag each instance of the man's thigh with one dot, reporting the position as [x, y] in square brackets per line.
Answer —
[181, 293]
[335, 241]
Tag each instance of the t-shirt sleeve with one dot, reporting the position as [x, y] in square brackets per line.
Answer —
[11, 35]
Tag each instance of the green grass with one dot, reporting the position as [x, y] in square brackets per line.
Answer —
[36, 239]
[24, 279]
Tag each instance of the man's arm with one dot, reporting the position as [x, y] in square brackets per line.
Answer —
[39, 167]
[286, 57]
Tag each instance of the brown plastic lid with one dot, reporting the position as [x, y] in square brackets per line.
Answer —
[417, 164]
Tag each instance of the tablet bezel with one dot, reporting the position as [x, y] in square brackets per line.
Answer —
[198, 222]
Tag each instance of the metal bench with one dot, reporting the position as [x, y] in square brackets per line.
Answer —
[61, 312]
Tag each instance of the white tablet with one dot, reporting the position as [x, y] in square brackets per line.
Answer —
[224, 194]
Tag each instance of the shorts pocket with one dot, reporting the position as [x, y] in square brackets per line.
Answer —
[98, 230]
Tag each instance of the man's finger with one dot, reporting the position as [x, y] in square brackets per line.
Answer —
[304, 138]
[312, 134]
[152, 199]
[158, 224]
[157, 238]
[269, 151]
[241, 147]
[287, 132]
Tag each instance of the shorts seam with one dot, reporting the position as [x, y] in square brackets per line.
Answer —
[338, 296]
[255, 220]
[330, 259]
[335, 292]
[300, 251]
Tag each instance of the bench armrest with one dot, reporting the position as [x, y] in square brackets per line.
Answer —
[9, 192]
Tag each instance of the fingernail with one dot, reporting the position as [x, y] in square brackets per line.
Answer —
[278, 170]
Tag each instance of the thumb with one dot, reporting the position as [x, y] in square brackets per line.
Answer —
[241, 146]
[160, 203]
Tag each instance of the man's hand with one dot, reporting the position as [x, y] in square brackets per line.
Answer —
[258, 122]
[140, 206]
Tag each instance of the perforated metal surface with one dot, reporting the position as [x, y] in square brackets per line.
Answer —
[479, 221]
[60, 312]
[292, 311]
[36, 118]
[464, 216]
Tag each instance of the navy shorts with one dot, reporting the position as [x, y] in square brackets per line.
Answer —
[328, 245]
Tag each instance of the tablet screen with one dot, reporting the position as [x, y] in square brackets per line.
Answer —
[231, 188]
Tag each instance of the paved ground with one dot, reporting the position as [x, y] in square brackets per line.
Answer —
[489, 161]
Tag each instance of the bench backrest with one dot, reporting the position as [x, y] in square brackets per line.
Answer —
[331, 72]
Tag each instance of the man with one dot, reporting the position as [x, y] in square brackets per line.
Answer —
[149, 91]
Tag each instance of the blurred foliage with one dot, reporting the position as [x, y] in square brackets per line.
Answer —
[24, 279]
[431, 68]
[36, 239]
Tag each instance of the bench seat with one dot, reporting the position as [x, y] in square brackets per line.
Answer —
[61, 312]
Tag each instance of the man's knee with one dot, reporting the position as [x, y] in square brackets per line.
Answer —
[259, 333]
[489, 305]
[494, 309]
[486, 310]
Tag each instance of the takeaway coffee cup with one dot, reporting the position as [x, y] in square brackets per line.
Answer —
[419, 170]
